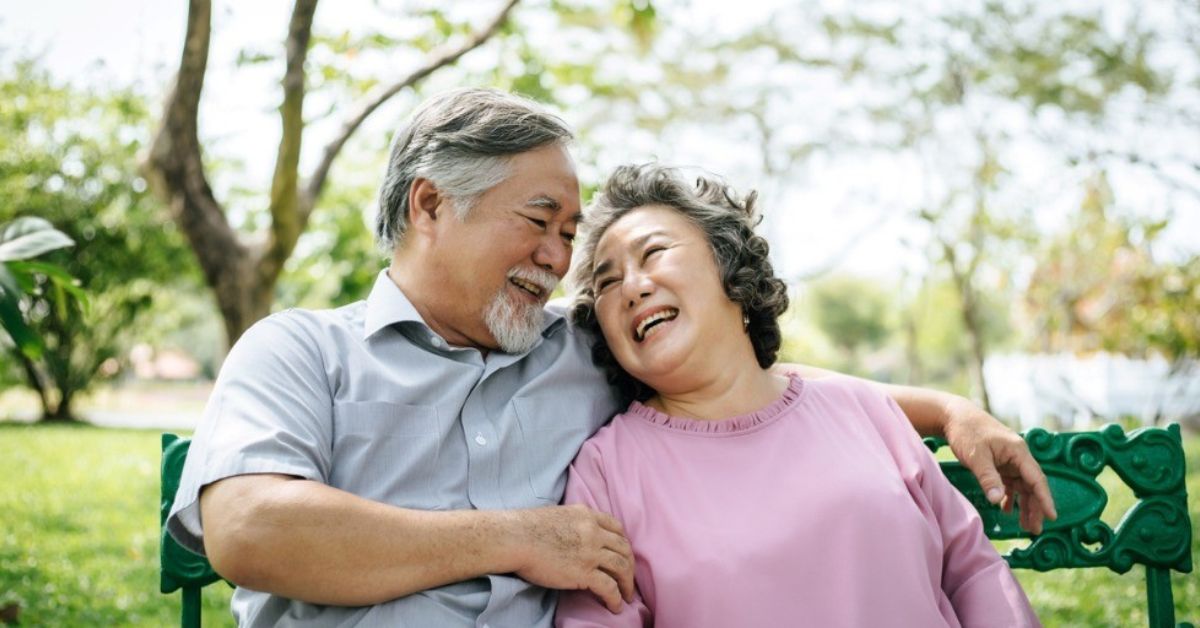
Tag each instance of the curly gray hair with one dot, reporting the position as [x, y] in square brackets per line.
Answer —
[461, 141]
[727, 221]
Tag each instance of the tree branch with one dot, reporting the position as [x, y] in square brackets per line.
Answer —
[378, 96]
[174, 165]
[286, 223]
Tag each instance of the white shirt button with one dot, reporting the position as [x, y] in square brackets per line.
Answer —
[480, 439]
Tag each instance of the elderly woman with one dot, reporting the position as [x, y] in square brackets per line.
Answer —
[753, 498]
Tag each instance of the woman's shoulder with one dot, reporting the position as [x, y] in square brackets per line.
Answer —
[846, 388]
[851, 400]
[609, 439]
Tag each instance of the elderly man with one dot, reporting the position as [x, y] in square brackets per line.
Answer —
[399, 461]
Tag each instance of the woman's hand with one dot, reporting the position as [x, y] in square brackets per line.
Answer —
[1001, 462]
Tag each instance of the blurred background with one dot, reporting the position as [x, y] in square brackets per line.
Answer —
[1000, 199]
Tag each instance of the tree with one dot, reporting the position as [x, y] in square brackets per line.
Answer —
[966, 237]
[852, 313]
[70, 156]
[242, 269]
[1099, 286]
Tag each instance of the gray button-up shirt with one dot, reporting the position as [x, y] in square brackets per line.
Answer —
[366, 398]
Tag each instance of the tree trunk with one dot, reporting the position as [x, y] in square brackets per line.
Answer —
[242, 274]
[244, 294]
[36, 382]
[62, 411]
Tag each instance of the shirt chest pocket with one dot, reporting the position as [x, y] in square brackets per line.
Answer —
[553, 428]
[385, 451]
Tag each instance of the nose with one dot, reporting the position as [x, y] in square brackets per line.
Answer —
[635, 287]
[553, 254]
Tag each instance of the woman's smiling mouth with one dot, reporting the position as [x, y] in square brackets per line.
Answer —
[649, 323]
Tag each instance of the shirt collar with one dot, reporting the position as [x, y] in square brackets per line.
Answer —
[388, 305]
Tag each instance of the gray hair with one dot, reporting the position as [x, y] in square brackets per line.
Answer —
[727, 221]
[461, 141]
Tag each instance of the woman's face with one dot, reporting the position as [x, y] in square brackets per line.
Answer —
[659, 298]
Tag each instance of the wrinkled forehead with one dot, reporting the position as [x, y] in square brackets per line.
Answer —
[637, 222]
[630, 232]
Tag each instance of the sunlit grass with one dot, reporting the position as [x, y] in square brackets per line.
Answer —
[79, 545]
[79, 529]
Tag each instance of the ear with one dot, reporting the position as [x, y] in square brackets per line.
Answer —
[425, 202]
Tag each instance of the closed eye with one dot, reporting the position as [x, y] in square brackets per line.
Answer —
[537, 222]
[651, 251]
[603, 284]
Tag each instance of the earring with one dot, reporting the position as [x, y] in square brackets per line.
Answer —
[745, 321]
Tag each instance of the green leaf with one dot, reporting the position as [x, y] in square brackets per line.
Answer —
[62, 280]
[253, 57]
[30, 236]
[8, 282]
[13, 322]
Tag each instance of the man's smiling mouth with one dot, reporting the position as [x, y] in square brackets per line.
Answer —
[528, 286]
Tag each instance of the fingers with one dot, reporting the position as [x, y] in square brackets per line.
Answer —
[1024, 477]
[615, 560]
[617, 557]
[620, 568]
[984, 468]
[610, 523]
[1031, 514]
[589, 550]
[620, 564]
[1034, 479]
[605, 588]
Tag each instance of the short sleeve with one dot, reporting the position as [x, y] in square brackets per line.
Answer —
[270, 412]
[587, 485]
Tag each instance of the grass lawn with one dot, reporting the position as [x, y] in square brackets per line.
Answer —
[79, 529]
[79, 544]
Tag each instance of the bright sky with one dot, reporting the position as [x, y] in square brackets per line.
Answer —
[138, 41]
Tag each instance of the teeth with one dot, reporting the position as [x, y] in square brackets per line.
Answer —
[527, 286]
[664, 315]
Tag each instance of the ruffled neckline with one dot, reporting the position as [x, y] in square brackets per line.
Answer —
[722, 427]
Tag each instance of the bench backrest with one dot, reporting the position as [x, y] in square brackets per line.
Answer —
[178, 567]
[1156, 532]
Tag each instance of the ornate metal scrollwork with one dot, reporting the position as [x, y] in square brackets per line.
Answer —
[1155, 532]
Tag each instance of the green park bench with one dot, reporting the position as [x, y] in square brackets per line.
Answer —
[1155, 532]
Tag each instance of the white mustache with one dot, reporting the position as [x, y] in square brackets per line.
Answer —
[545, 279]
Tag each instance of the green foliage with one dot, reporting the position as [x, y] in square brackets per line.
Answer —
[79, 530]
[1046, 58]
[852, 312]
[69, 155]
[20, 240]
[336, 260]
[1098, 286]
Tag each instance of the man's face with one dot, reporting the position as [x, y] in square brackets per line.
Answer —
[499, 265]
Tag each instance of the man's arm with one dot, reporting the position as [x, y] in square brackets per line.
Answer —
[997, 456]
[308, 541]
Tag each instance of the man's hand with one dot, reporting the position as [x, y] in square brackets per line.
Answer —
[1001, 462]
[574, 547]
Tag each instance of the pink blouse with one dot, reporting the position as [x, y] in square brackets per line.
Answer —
[822, 509]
